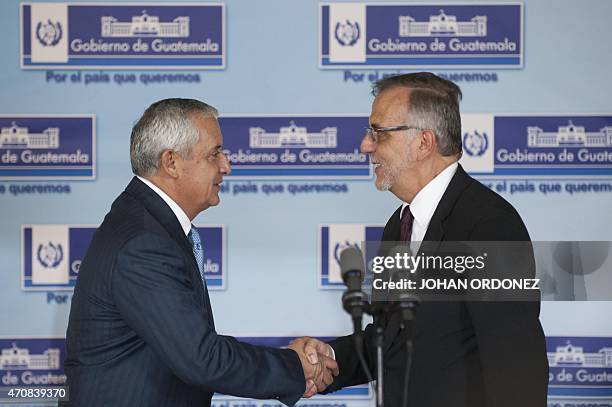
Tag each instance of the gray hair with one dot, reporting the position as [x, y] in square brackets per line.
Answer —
[433, 104]
[165, 125]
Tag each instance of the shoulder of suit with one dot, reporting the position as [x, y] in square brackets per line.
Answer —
[129, 218]
[481, 214]
[484, 202]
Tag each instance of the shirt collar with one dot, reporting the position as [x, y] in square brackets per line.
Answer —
[426, 201]
[176, 209]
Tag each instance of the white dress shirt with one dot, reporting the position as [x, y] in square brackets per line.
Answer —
[178, 212]
[426, 201]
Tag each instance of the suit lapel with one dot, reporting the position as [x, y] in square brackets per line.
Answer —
[392, 232]
[459, 182]
[435, 232]
[158, 208]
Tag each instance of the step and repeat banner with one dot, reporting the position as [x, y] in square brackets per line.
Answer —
[292, 83]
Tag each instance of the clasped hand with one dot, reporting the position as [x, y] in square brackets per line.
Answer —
[317, 362]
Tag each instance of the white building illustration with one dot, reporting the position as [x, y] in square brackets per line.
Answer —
[20, 359]
[442, 25]
[293, 136]
[569, 136]
[19, 137]
[145, 26]
[570, 355]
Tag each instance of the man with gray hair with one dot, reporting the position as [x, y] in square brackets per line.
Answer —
[141, 329]
[465, 354]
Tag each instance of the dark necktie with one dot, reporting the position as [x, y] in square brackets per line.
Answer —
[406, 225]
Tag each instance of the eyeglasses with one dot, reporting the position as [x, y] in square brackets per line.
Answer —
[374, 133]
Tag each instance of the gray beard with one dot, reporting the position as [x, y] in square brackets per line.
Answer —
[385, 185]
[389, 178]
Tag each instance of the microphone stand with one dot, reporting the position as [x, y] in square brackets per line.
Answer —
[406, 307]
[380, 338]
[355, 302]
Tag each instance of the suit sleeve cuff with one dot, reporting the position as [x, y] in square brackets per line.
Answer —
[291, 399]
[333, 352]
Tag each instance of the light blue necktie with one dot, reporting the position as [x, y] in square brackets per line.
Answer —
[198, 251]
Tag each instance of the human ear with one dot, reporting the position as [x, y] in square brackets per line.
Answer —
[427, 143]
[168, 163]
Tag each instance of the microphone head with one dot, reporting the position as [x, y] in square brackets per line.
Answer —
[400, 249]
[351, 263]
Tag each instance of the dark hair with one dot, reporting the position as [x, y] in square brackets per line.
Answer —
[433, 104]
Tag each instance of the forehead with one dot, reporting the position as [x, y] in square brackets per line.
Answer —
[210, 132]
[390, 107]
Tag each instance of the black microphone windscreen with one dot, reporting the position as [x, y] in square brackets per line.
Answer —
[351, 261]
[400, 249]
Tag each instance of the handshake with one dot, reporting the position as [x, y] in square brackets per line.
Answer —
[318, 362]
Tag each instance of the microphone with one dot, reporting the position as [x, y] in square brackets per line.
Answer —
[405, 301]
[400, 268]
[354, 300]
[351, 268]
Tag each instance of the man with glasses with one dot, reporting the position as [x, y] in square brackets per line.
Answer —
[465, 354]
[141, 329]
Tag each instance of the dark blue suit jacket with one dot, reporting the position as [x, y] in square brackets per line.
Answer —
[141, 329]
[466, 354]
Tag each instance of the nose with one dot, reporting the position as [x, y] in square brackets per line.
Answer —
[225, 168]
[367, 145]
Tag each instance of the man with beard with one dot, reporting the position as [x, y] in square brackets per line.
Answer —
[466, 354]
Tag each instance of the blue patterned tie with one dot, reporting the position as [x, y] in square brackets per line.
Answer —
[198, 251]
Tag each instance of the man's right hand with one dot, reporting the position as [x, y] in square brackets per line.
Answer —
[319, 367]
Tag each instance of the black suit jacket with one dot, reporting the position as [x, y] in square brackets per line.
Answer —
[141, 330]
[466, 354]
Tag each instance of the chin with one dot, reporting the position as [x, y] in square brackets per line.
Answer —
[383, 184]
[214, 202]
